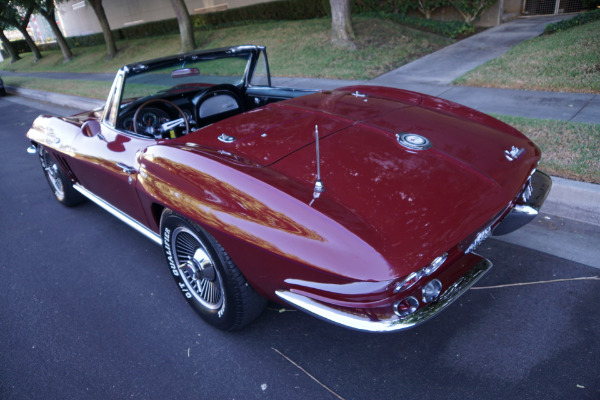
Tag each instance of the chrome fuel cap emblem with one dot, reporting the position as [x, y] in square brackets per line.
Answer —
[413, 141]
[226, 138]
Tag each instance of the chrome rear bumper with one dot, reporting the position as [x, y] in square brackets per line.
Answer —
[523, 213]
[359, 321]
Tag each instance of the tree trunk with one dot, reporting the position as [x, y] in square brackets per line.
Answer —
[111, 47]
[64, 47]
[185, 25]
[14, 56]
[22, 27]
[34, 49]
[425, 8]
[342, 34]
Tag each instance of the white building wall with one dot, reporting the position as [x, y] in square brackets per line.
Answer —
[77, 18]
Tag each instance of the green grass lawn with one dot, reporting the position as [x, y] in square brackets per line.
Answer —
[303, 48]
[569, 149]
[567, 61]
[296, 48]
[91, 59]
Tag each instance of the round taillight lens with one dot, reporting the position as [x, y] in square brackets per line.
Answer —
[435, 264]
[413, 278]
[405, 307]
[431, 291]
[408, 282]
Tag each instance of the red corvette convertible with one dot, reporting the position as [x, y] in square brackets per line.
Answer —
[362, 206]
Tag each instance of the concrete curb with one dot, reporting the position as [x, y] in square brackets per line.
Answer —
[574, 200]
[64, 100]
[569, 199]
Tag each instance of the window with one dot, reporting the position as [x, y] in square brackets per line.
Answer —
[185, 76]
[260, 77]
[112, 105]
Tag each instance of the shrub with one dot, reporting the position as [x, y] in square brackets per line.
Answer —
[86, 40]
[591, 4]
[20, 46]
[451, 29]
[154, 28]
[580, 19]
[427, 7]
[471, 10]
[275, 10]
[387, 6]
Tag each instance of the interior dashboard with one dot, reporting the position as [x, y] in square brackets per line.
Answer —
[149, 116]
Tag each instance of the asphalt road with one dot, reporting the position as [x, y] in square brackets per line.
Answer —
[88, 309]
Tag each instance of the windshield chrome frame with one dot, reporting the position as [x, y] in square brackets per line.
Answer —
[111, 108]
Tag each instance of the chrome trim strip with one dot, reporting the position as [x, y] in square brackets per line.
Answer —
[119, 214]
[522, 214]
[393, 323]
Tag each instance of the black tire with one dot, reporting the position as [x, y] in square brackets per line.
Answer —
[207, 276]
[61, 186]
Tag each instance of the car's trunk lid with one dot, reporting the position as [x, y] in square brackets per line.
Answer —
[410, 205]
[268, 134]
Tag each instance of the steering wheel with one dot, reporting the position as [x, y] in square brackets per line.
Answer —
[167, 126]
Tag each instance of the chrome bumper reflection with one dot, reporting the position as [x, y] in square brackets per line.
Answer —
[352, 319]
[522, 214]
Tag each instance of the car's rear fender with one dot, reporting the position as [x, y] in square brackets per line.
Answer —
[260, 217]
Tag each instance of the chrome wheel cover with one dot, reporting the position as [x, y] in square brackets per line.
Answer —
[51, 171]
[197, 268]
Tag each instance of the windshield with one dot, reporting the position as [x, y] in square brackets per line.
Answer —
[185, 75]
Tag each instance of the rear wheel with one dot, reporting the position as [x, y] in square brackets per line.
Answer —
[206, 275]
[61, 186]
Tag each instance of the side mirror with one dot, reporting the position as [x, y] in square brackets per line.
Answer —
[91, 128]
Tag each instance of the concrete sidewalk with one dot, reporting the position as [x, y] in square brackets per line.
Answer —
[434, 73]
[449, 63]
[575, 107]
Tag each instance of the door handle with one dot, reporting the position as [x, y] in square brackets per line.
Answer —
[126, 168]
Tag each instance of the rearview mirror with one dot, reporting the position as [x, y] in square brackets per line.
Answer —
[183, 72]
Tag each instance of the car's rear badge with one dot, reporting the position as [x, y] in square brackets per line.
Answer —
[513, 153]
[413, 141]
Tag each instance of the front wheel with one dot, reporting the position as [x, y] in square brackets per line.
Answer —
[61, 186]
[206, 275]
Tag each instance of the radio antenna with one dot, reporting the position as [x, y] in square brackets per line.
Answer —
[319, 188]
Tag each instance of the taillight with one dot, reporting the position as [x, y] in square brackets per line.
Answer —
[414, 277]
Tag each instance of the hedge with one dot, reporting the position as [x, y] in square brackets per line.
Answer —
[386, 6]
[20, 46]
[451, 29]
[276, 10]
[581, 19]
